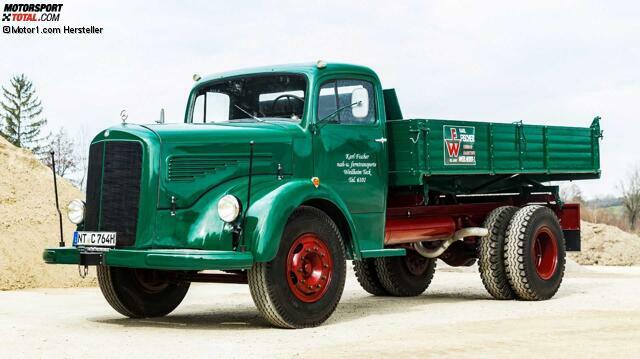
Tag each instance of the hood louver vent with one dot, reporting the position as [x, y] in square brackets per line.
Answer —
[188, 168]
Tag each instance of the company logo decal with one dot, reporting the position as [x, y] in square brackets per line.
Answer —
[459, 145]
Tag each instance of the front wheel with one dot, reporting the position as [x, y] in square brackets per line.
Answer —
[302, 285]
[140, 293]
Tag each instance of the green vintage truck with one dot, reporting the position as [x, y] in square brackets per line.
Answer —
[281, 174]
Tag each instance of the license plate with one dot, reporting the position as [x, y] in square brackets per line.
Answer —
[94, 239]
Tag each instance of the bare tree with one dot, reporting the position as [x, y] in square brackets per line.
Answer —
[83, 148]
[571, 193]
[630, 188]
[67, 160]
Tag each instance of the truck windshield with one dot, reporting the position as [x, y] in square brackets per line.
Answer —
[250, 98]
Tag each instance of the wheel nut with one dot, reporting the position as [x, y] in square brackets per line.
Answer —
[324, 277]
[310, 287]
[318, 286]
[303, 281]
[326, 266]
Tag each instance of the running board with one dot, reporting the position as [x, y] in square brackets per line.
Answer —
[386, 252]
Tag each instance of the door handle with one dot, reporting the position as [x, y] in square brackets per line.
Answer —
[381, 140]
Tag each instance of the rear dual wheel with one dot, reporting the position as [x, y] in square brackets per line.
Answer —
[534, 253]
[404, 276]
[490, 253]
[523, 256]
[367, 276]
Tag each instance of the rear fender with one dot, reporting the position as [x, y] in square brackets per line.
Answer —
[269, 213]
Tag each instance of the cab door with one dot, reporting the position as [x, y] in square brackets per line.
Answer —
[349, 143]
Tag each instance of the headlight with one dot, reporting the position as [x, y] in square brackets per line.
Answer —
[75, 211]
[229, 208]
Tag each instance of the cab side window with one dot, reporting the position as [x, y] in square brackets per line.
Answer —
[211, 107]
[339, 94]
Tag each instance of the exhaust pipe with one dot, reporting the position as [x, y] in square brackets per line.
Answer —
[459, 235]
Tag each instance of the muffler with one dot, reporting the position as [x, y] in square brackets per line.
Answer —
[457, 236]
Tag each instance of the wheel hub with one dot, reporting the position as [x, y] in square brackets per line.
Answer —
[150, 280]
[545, 252]
[309, 268]
[416, 264]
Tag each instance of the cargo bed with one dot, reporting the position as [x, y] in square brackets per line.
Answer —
[464, 154]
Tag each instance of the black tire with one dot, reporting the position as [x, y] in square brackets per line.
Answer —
[405, 276]
[274, 288]
[535, 253]
[367, 277]
[140, 293]
[490, 253]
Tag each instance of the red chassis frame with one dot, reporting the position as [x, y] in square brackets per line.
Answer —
[407, 222]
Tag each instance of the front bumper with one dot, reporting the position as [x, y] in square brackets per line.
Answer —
[167, 259]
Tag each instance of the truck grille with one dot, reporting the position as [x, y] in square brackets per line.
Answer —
[113, 192]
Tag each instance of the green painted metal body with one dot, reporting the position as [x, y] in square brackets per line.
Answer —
[541, 153]
[191, 236]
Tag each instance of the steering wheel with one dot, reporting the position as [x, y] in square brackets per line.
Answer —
[288, 96]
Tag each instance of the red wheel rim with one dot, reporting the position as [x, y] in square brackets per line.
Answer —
[545, 252]
[309, 268]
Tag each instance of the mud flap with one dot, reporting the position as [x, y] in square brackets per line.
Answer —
[572, 240]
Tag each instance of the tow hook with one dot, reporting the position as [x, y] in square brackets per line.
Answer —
[89, 259]
[83, 271]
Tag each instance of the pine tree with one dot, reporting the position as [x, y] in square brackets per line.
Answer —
[21, 115]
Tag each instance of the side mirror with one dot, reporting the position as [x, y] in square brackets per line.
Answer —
[360, 96]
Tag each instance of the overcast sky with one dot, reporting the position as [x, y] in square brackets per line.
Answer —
[555, 62]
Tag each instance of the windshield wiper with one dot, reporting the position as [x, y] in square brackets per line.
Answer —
[334, 113]
[248, 114]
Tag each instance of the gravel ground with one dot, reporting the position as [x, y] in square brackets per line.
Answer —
[595, 313]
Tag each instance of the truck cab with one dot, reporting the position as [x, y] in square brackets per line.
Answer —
[335, 143]
[280, 174]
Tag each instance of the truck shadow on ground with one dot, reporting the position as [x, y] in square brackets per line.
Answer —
[234, 317]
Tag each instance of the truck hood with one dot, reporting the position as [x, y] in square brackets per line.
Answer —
[196, 158]
[247, 131]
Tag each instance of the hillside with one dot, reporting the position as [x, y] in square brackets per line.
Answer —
[29, 223]
[607, 245]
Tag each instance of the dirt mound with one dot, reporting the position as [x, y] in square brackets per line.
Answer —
[29, 223]
[607, 245]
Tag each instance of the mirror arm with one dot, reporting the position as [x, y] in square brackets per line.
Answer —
[317, 124]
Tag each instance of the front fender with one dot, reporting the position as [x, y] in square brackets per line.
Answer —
[269, 213]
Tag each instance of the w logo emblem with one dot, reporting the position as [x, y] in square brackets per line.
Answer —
[6, 17]
[453, 145]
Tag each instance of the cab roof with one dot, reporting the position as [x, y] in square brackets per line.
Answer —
[310, 69]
